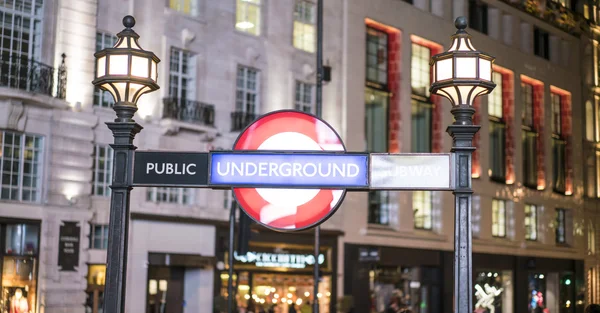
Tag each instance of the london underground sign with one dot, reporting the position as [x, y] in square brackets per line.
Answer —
[289, 170]
[289, 209]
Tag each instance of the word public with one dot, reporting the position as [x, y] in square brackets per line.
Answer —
[288, 169]
[171, 168]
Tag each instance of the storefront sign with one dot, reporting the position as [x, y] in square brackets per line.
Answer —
[293, 209]
[410, 171]
[289, 170]
[183, 169]
[68, 246]
[278, 260]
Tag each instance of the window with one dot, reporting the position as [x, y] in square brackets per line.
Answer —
[564, 3]
[189, 7]
[304, 97]
[99, 237]
[21, 29]
[103, 166]
[559, 145]
[376, 120]
[478, 16]
[597, 61]
[529, 137]
[377, 58]
[591, 238]
[561, 226]
[379, 207]
[169, 195]
[181, 75]
[21, 166]
[421, 126]
[103, 98]
[247, 17]
[422, 209]
[541, 46]
[246, 97]
[497, 131]
[304, 25]
[420, 71]
[498, 218]
[530, 222]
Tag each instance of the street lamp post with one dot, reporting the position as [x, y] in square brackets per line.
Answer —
[461, 74]
[127, 72]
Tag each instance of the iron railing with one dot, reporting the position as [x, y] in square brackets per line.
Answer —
[27, 74]
[189, 111]
[241, 119]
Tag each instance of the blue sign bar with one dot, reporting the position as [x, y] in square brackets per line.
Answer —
[302, 169]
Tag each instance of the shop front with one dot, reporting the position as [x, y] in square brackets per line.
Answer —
[19, 262]
[377, 276]
[277, 272]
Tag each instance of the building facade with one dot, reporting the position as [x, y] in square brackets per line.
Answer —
[533, 224]
[226, 62]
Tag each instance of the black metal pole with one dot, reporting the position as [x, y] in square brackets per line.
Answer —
[318, 112]
[462, 132]
[124, 129]
[230, 279]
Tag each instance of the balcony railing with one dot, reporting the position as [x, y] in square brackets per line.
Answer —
[240, 119]
[27, 74]
[189, 111]
[553, 13]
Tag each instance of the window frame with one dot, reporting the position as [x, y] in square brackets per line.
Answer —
[561, 223]
[378, 210]
[529, 135]
[300, 25]
[300, 103]
[418, 106]
[541, 43]
[183, 196]
[497, 128]
[426, 213]
[39, 166]
[257, 4]
[423, 69]
[378, 67]
[497, 223]
[34, 43]
[531, 220]
[102, 98]
[478, 15]
[181, 4]
[103, 236]
[184, 86]
[245, 91]
[107, 170]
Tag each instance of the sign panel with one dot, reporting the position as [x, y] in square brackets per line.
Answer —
[177, 169]
[289, 209]
[68, 246]
[411, 171]
[295, 259]
[254, 169]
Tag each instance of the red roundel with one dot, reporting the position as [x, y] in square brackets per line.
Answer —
[289, 209]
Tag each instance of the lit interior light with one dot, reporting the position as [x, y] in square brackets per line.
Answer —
[489, 274]
[319, 295]
[328, 294]
[244, 287]
[244, 25]
[276, 295]
[307, 294]
[274, 300]
[246, 296]
[542, 276]
[289, 295]
[289, 301]
[567, 282]
[273, 289]
[298, 301]
[292, 289]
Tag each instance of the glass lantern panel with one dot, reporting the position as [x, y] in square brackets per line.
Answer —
[122, 43]
[465, 43]
[133, 89]
[466, 95]
[466, 67]
[139, 67]
[110, 90]
[454, 45]
[450, 93]
[120, 89]
[443, 69]
[134, 44]
[101, 67]
[485, 69]
[154, 71]
[140, 92]
[118, 64]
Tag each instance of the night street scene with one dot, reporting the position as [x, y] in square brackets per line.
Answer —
[299, 156]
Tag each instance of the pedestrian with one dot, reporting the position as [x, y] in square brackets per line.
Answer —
[292, 309]
[592, 308]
